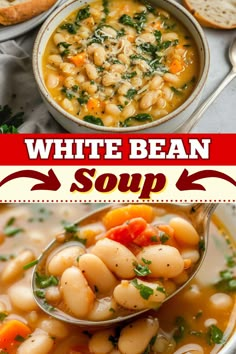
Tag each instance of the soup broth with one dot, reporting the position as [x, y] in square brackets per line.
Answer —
[201, 317]
[120, 64]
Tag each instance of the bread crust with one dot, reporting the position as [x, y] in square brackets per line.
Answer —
[23, 11]
[204, 21]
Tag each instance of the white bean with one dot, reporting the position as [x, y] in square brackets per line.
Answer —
[36, 344]
[181, 278]
[90, 88]
[147, 37]
[54, 328]
[91, 71]
[55, 59]
[52, 294]
[112, 109]
[128, 296]
[67, 68]
[185, 233]
[123, 89]
[14, 268]
[52, 81]
[135, 337]
[149, 99]
[110, 79]
[124, 59]
[117, 257]
[67, 105]
[190, 254]
[58, 38]
[172, 78]
[74, 286]
[128, 111]
[221, 301]
[103, 309]
[156, 82]
[171, 36]
[22, 297]
[69, 82]
[117, 68]
[167, 93]
[100, 343]
[99, 56]
[166, 261]
[65, 258]
[98, 276]
[109, 31]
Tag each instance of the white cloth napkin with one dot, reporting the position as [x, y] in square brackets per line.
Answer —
[18, 88]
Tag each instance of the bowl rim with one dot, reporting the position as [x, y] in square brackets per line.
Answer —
[36, 61]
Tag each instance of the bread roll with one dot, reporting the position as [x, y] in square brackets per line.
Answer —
[213, 13]
[15, 11]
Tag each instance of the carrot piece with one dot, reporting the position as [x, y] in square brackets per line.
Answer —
[94, 104]
[9, 332]
[127, 233]
[147, 237]
[131, 39]
[176, 66]
[157, 25]
[79, 59]
[118, 216]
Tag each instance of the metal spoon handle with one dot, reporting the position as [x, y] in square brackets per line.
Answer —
[195, 117]
[205, 209]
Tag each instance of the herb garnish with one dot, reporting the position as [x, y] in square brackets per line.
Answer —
[181, 328]
[227, 282]
[44, 281]
[30, 265]
[93, 120]
[10, 230]
[6, 257]
[40, 294]
[67, 93]
[9, 122]
[82, 15]
[214, 335]
[3, 315]
[129, 75]
[145, 291]
[142, 270]
[164, 237]
[141, 117]
[137, 22]
[131, 93]
[70, 27]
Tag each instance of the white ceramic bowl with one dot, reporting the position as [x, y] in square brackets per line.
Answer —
[168, 123]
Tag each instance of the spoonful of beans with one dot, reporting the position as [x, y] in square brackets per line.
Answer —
[121, 261]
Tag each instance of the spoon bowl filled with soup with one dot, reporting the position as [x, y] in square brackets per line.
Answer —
[121, 68]
[200, 319]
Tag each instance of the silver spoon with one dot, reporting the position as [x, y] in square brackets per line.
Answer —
[197, 214]
[195, 117]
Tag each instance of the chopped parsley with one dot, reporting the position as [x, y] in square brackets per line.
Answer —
[71, 228]
[10, 230]
[145, 291]
[164, 237]
[142, 271]
[6, 257]
[30, 265]
[67, 93]
[227, 282]
[181, 328]
[214, 335]
[19, 338]
[44, 281]
[83, 99]
[129, 75]
[3, 315]
[40, 294]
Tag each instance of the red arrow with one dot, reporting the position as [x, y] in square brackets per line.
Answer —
[186, 181]
[50, 181]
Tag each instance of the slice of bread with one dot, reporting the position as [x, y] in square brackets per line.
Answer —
[213, 13]
[15, 11]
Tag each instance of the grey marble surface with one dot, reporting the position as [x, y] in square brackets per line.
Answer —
[221, 115]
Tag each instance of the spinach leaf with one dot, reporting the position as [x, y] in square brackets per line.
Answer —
[82, 14]
[131, 93]
[70, 27]
[93, 120]
[9, 122]
[67, 93]
[83, 99]
[141, 117]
